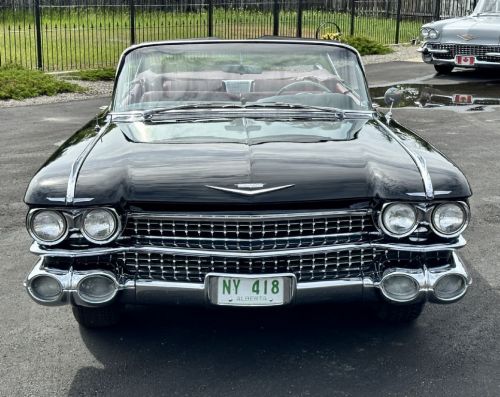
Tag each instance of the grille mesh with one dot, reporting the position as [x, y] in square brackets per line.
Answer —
[250, 234]
[308, 267]
[463, 49]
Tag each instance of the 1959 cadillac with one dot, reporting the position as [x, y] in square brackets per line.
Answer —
[245, 173]
[468, 42]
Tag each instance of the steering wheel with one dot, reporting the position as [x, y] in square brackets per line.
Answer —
[304, 82]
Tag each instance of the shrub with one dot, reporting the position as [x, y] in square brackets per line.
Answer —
[105, 74]
[17, 82]
[364, 45]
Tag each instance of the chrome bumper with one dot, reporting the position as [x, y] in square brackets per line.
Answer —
[140, 291]
[428, 57]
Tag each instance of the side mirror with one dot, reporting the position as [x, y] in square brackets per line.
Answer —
[393, 96]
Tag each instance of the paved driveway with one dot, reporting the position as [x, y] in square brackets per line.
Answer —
[320, 351]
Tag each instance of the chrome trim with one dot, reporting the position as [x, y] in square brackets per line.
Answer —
[73, 253]
[144, 291]
[417, 159]
[114, 235]
[436, 230]
[382, 226]
[245, 217]
[249, 192]
[247, 240]
[78, 163]
[477, 63]
[492, 54]
[438, 51]
[29, 219]
[63, 276]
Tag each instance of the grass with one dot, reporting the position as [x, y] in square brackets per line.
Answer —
[85, 38]
[17, 82]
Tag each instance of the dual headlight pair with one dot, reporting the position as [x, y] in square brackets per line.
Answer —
[50, 227]
[429, 33]
[446, 219]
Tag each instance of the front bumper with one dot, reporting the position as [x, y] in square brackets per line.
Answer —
[145, 291]
[432, 56]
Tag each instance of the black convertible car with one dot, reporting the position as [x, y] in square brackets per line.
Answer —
[245, 173]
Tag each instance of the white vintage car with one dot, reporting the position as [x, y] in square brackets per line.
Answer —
[471, 42]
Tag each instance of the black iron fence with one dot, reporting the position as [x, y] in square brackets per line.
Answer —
[78, 34]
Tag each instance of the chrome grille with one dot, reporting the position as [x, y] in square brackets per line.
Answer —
[478, 51]
[306, 267]
[250, 233]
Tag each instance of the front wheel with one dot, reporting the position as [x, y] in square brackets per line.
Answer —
[444, 69]
[399, 314]
[97, 317]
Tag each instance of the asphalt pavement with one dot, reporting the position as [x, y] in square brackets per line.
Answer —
[452, 350]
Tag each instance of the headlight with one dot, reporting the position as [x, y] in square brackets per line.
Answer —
[47, 227]
[99, 226]
[449, 219]
[425, 32]
[399, 220]
[433, 34]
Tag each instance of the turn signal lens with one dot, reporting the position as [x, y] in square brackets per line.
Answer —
[450, 287]
[400, 288]
[46, 288]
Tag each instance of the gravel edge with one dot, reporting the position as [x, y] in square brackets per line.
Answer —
[97, 89]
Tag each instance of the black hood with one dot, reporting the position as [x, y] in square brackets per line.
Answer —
[324, 161]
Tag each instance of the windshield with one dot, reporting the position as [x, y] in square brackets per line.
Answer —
[240, 73]
[488, 7]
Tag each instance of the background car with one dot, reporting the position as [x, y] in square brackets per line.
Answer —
[468, 42]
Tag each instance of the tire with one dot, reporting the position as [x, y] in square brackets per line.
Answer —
[97, 317]
[444, 69]
[399, 314]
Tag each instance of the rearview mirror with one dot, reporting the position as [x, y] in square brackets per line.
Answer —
[393, 96]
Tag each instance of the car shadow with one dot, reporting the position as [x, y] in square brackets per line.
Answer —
[195, 351]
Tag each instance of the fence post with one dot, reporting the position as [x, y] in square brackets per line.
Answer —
[38, 34]
[353, 16]
[299, 18]
[210, 18]
[276, 18]
[437, 9]
[398, 21]
[132, 22]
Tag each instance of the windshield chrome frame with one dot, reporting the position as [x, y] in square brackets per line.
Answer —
[130, 49]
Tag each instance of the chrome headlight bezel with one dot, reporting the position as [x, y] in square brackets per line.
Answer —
[389, 232]
[466, 211]
[425, 32]
[31, 218]
[112, 236]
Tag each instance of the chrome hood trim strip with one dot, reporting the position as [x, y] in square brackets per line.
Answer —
[417, 159]
[73, 253]
[77, 166]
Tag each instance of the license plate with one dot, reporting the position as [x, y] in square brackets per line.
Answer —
[250, 290]
[459, 99]
[465, 60]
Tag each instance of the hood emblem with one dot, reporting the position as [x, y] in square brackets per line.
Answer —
[466, 37]
[249, 189]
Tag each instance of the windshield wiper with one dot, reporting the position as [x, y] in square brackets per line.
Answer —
[148, 114]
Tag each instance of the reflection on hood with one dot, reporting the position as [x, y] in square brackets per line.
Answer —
[243, 130]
